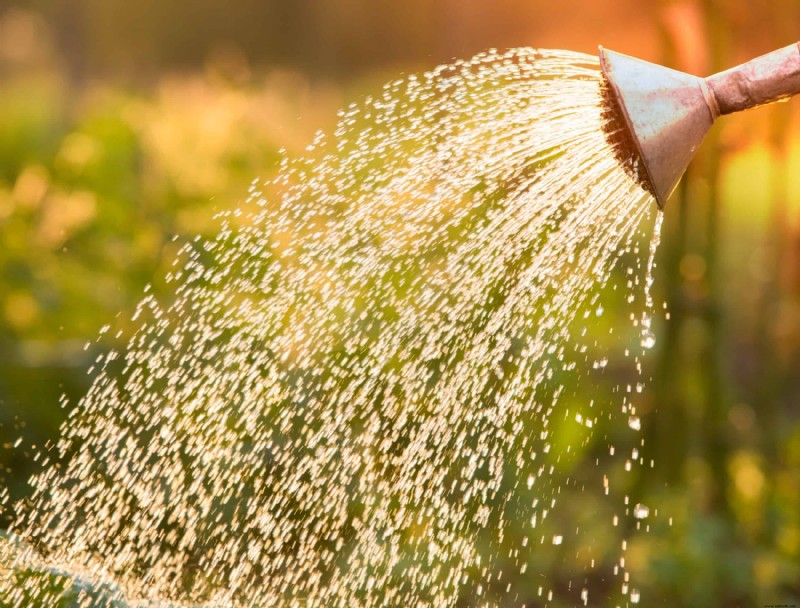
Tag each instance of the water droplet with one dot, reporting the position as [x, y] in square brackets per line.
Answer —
[641, 511]
[635, 423]
[558, 539]
[634, 596]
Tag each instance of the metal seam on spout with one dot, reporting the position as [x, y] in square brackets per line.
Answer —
[711, 100]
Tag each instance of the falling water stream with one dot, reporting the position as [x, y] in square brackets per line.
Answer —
[348, 399]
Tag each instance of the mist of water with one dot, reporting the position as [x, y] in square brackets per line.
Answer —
[347, 402]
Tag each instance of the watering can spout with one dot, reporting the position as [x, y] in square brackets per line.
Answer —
[667, 113]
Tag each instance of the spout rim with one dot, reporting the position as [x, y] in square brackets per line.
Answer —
[606, 70]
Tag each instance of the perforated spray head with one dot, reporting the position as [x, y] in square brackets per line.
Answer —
[668, 113]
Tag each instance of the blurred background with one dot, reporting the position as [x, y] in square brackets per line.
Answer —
[125, 123]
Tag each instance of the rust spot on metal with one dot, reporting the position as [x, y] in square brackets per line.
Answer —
[620, 138]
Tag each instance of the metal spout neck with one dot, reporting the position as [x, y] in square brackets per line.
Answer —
[667, 113]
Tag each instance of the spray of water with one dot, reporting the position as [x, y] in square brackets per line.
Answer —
[347, 401]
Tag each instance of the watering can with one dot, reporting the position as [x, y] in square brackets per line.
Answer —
[668, 113]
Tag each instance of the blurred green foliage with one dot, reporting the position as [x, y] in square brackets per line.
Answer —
[97, 178]
[95, 188]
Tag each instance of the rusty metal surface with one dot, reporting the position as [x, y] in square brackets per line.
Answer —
[763, 80]
[669, 112]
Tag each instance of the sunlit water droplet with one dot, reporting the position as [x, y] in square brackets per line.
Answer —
[648, 337]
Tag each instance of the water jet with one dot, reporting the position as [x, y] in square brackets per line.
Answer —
[668, 112]
[363, 389]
